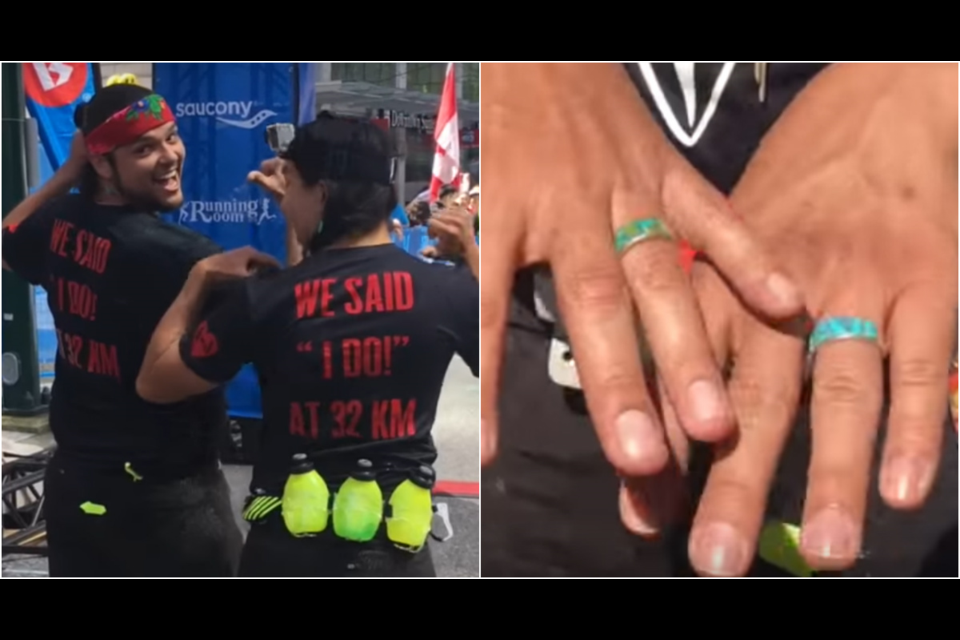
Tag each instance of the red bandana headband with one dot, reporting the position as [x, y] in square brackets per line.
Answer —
[124, 127]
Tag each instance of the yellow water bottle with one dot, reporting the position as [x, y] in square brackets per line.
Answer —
[411, 510]
[306, 499]
[358, 505]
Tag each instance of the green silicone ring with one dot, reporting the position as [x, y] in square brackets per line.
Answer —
[640, 231]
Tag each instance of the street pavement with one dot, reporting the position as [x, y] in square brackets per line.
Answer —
[457, 436]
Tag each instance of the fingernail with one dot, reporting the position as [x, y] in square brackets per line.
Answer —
[718, 550]
[906, 479]
[831, 534]
[706, 401]
[785, 291]
[631, 516]
[641, 441]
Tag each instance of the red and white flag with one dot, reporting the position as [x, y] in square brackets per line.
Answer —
[446, 159]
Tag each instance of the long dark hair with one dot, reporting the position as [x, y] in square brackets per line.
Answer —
[351, 158]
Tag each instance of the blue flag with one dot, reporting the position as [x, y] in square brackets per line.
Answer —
[53, 90]
[222, 113]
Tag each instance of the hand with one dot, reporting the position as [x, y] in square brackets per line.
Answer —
[230, 265]
[454, 229]
[397, 228]
[430, 252]
[566, 168]
[270, 178]
[861, 203]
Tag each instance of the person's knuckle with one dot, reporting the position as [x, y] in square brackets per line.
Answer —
[842, 387]
[732, 490]
[596, 286]
[617, 381]
[761, 405]
[716, 244]
[652, 269]
[918, 373]
[915, 434]
[836, 476]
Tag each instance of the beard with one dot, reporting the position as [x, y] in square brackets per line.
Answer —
[146, 201]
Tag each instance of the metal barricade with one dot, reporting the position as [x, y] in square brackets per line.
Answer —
[24, 528]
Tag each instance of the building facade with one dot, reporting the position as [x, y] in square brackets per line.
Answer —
[404, 98]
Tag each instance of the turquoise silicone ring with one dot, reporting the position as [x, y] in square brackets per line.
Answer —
[842, 328]
[639, 231]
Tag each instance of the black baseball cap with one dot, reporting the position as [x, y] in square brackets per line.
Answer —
[342, 149]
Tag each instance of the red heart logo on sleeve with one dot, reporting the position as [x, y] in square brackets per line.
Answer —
[204, 343]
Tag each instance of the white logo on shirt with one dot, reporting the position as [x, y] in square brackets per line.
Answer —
[690, 135]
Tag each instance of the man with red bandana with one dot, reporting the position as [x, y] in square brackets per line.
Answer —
[134, 489]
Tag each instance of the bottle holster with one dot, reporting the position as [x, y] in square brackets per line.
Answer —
[261, 508]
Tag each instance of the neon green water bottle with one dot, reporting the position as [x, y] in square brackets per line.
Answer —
[306, 499]
[411, 507]
[358, 506]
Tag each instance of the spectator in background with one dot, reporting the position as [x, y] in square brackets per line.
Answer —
[447, 197]
[473, 200]
[398, 220]
[399, 214]
[473, 205]
[456, 242]
[418, 213]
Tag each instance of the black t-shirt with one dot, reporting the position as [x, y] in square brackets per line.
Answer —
[110, 274]
[715, 114]
[351, 347]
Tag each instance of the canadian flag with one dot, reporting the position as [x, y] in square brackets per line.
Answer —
[446, 159]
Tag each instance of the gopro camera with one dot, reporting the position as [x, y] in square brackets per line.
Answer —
[279, 136]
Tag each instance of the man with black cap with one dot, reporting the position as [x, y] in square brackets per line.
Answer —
[135, 488]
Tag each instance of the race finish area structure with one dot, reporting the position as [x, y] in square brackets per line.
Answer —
[23, 526]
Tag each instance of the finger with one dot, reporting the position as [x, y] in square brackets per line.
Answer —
[845, 413]
[258, 259]
[597, 311]
[677, 337]
[704, 218]
[717, 309]
[654, 504]
[444, 227]
[266, 262]
[764, 389]
[650, 504]
[922, 334]
[274, 185]
[496, 282]
[450, 221]
[266, 183]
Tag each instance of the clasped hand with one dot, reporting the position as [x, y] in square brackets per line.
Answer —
[858, 208]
